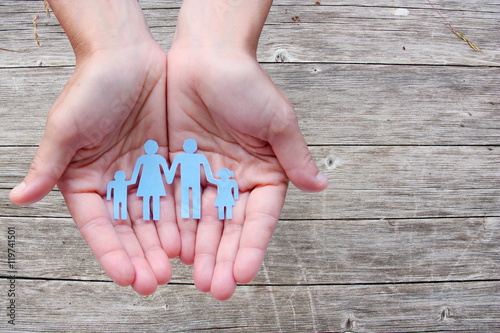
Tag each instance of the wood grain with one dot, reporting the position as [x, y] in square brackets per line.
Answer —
[327, 33]
[55, 306]
[341, 104]
[302, 252]
[366, 182]
[400, 114]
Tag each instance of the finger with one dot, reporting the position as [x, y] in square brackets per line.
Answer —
[187, 229]
[50, 161]
[223, 282]
[262, 213]
[147, 236]
[293, 154]
[92, 219]
[207, 241]
[167, 225]
[145, 282]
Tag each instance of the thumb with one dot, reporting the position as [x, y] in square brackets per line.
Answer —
[293, 154]
[49, 163]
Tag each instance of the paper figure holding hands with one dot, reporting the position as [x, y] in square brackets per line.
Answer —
[190, 164]
[227, 193]
[117, 189]
[149, 171]
[151, 186]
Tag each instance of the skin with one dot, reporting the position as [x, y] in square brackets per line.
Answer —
[111, 105]
[220, 96]
[216, 93]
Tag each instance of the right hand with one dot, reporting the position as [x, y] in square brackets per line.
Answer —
[113, 103]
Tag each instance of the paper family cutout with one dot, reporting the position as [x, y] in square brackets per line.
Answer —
[149, 171]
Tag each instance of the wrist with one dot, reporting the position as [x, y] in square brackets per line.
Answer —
[221, 24]
[95, 25]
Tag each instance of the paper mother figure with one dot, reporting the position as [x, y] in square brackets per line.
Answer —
[151, 186]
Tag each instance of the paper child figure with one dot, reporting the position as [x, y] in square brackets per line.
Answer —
[190, 164]
[227, 193]
[117, 190]
[151, 186]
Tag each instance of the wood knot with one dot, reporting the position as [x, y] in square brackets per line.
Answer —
[281, 56]
[333, 162]
[330, 162]
[349, 324]
[445, 314]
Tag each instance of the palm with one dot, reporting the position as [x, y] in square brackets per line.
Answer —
[117, 108]
[230, 115]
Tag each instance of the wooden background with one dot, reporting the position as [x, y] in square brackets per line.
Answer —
[402, 116]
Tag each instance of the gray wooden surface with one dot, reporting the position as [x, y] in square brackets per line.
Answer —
[402, 116]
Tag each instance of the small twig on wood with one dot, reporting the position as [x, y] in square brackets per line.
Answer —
[35, 21]
[46, 7]
[455, 31]
[2, 49]
[35, 32]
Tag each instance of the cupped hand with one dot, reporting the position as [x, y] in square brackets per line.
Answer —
[113, 103]
[242, 121]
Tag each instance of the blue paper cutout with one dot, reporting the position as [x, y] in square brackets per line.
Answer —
[227, 193]
[151, 186]
[190, 164]
[148, 170]
[118, 190]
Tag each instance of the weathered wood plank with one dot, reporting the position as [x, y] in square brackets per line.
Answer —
[488, 5]
[392, 182]
[366, 182]
[369, 105]
[341, 104]
[405, 239]
[64, 306]
[377, 35]
[340, 34]
[383, 251]
[14, 6]
[301, 252]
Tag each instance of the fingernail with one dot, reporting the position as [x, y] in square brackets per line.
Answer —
[321, 178]
[19, 188]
